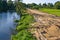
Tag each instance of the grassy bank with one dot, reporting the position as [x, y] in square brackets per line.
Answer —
[51, 11]
[23, 27]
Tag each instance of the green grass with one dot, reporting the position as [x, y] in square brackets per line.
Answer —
[22, 28]
[51, 11]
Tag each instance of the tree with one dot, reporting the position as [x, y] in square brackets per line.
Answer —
[10, 5]
[29, 6]
[4, 5]
[33, 6]
[40, 5]
[44, 5]
[57, 5]
[50, 5]
[19, 6]
[0, 5]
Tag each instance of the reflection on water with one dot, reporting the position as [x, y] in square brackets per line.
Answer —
[6, 23]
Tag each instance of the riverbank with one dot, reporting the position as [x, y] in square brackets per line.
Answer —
[23, 28]
[37, 26]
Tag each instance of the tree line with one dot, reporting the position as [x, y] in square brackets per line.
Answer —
[4, 6]
[10, 5]
[20, 7]
[44, 5]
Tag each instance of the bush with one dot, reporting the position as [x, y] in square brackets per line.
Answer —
[22, 28]
[57, 5]
[24, 35]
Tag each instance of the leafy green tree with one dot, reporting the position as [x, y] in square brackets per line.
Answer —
[40, 5]
[0, 5]
[11, 5]
[4, 5]
[44, 5]
[33, 6]
[57, 5]
[50, 5]
[20, 7]
[29, 6]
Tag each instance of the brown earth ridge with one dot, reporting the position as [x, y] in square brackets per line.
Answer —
[45, 26]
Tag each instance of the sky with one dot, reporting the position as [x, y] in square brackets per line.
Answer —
[39, 1]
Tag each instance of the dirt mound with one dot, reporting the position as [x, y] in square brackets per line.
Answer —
[46, 26]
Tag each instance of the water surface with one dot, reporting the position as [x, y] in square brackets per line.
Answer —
[6, 23]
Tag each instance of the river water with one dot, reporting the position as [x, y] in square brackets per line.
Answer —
[6, 23]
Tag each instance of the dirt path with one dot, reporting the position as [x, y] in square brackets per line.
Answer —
[46, 26]
[37, 12]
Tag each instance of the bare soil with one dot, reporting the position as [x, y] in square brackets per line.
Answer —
[46, 26]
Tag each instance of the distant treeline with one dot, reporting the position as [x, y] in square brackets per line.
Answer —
[20, 7]
[4, 6]
[10, 5]
[44, 5]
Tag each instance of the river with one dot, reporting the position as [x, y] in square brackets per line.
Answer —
[6, 23]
